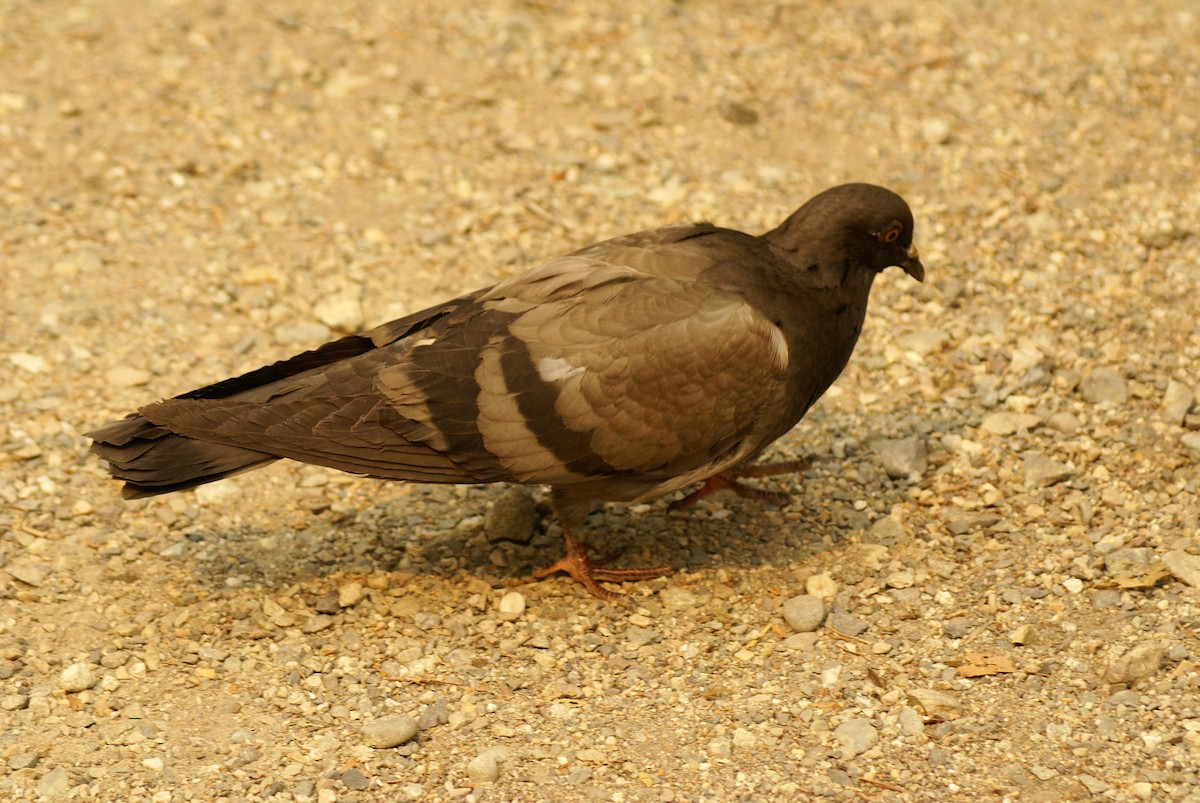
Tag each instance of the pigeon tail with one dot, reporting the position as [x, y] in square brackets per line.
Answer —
[153, 461]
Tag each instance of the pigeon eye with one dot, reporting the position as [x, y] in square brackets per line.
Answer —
[890, 234]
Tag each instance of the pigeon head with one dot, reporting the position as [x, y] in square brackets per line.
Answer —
[869, 226]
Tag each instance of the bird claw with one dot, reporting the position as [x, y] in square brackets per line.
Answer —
[588, 572]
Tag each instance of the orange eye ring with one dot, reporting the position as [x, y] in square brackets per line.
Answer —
[890, 235]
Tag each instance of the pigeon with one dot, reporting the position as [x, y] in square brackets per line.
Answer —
[622, 372]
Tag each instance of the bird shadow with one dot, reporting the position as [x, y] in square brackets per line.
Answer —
[440, 532]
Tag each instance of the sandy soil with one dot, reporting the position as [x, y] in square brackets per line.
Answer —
[1001, 526]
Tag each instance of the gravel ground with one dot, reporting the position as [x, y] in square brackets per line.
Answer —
[987, 587]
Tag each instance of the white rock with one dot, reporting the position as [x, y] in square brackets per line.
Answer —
[350, 594]
[821, 585]
[511, 605]
[935, 131]
[28, 362]
[340, 312]
[77, 677]
[214, 494]
[126, 376]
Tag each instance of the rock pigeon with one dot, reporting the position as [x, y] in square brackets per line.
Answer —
[621, 372]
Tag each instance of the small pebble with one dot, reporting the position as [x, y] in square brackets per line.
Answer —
[935, 131]
[389, 731]
[846, 624]
[821, 585]
[484, 768]
[511, 606]
[54, 783]
[1009, 423]
[935, 703]
[1138, 663]
[512, 516]
[1041, 471]
[856, 736]
[1133, 561]
[125, 376]
[77, 677]
[1183, 566]
[804, 613]
[1064, 422]
[1104, 385]
[353, 778]
[1178, 400]
[902, 458]
[350, 594]
[736, 112]
[342, 313]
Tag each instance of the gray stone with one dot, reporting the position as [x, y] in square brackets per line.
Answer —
[902, 457]
[935, 703]
[1184, 567]
[676, 597]
[1104, 385]
[1177, 401]
[856, 736]
[512, 516]
[887, 531]
[1064, 422]
[804, 613]
[353, 778]
[389, 731]
[846, 624]
[484, 768]
[436, 713]
[1009, 423]
[54, 783]
[1131, 561]
[1191, 440]
[1138, 663]
[1041, 471]
[736, 112]
[641, 636]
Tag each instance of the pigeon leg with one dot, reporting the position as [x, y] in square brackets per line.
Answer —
[727, 480]
[587, 570]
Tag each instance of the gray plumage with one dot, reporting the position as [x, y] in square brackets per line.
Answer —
[621, 372]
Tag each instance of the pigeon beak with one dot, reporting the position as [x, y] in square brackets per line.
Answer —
[912, 265]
